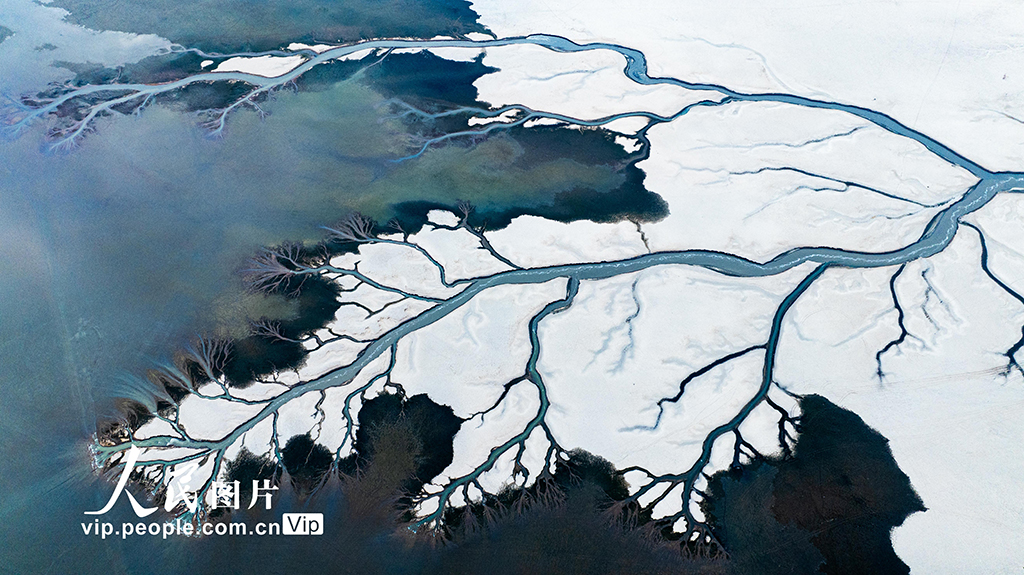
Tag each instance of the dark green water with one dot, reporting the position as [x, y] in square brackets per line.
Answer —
[233, 25]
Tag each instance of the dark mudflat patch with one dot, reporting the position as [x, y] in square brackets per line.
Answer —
[157, 69]
[742, 518]
[259, 355]
[246, 468]
[566, 522]
[628, 201]
[429, 82]
[229, 26]
[263, 353]
[306, 462]
[574, 536]
[363, 534]
[433, 84]
[431, 426]
[325, 76]
[840, 494]
[201, 96]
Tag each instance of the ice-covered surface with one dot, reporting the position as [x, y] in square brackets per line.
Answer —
[756, 179]
[214, 419]
[946, 400]
[628, 342]
[534, 242]
[484, 430]
[465, 359]
[808, 247]
[459, 251]
[296, 46]
[946, 69]
[269, 66]
[587, 86]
